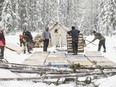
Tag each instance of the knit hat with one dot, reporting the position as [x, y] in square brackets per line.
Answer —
[94, 32]
[20, 36]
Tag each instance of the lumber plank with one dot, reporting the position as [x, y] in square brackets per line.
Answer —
[37, 58]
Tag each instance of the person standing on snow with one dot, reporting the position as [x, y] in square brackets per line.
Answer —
[101, 39]
[24, 41]
[46, 35]
[20, 39]
[27, 33]
[2, 44]
[75, 35]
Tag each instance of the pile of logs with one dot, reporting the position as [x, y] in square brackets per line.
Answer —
[38, 41]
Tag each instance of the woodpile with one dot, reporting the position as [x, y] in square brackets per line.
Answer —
[38, 40]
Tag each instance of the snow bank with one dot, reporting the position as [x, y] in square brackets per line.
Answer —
[31, 84]
[4, 73]
[110, 82]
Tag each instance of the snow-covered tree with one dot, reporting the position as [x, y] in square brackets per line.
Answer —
[9, 15]
[35, 15]
[106, 16]
[1, 8]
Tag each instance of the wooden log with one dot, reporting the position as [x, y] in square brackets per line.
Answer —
[51, 76]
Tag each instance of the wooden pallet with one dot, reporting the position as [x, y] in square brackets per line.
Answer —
[78, 59]
[80, 43]
[56, 59]
[90, 58]
[37, 58]
[99, 59]
[62, 59]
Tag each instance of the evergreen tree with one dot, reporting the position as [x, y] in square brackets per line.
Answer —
[106, 17]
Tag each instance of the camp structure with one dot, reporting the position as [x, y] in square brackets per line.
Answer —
[58, 34]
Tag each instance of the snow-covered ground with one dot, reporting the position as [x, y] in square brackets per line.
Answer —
[13, 57]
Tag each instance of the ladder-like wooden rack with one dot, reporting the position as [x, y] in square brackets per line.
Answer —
[80, 43]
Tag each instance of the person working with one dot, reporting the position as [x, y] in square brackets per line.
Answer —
[101, 39]
[2, 44]
[74, 33]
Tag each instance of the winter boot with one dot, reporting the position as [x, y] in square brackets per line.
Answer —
[104, 51]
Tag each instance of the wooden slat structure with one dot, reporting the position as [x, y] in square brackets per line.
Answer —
[78, 59]
[61, 59]
[90, 58]
[80, 43]
[99, 59]
[57, 59]
[37, 58]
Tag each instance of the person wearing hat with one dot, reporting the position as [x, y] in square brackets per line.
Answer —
[101, 39]
[2, 43]
[75, 36]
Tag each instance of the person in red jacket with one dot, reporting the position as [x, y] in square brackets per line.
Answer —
[2, 43]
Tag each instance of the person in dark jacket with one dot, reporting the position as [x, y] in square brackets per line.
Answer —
[101, 39]
[24, 40]
[74, 33]
[2, 44]
[27, 33]
[46, 35]
[30, 37]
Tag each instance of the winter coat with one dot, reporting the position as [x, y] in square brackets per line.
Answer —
[98, 36]
[74, 33]
[46, 35]
[28, 34]
[25, 38]
[2, 39]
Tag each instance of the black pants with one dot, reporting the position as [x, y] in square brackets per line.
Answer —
[28, 47]
[46, 43]
[21, 42]
[75, 46]
[101, 43]
[2, 52]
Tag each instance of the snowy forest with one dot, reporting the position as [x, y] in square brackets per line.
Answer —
[35, 15]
